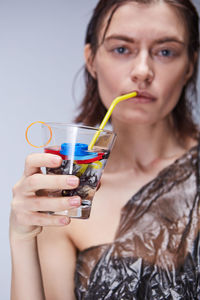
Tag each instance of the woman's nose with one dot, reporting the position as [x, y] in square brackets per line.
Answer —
[142, 69]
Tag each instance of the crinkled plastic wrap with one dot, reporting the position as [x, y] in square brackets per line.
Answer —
[156, 251]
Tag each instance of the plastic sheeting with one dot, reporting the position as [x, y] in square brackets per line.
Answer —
[156, 251]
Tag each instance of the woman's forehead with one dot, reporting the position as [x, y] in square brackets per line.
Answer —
[136, 20]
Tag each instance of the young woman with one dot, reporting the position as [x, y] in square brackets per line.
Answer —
[142, 239]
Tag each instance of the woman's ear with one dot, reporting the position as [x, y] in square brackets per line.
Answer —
[190, 69]
[89, 60]
[189, 72]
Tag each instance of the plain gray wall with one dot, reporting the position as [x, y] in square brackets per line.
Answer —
[41, 50]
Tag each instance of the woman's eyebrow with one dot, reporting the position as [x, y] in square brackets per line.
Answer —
[129, 39]
[120, 37]
[168, 40]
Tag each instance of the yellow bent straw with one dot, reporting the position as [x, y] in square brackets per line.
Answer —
[108, 114]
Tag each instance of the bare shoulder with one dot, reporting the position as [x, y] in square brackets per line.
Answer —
[190, 142]
[102, 224]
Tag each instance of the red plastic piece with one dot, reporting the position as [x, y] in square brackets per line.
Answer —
[65, 157]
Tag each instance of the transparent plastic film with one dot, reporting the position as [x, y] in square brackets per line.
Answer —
[155, 253]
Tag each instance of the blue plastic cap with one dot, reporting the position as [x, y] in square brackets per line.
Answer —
[67, 148]
[80, 151]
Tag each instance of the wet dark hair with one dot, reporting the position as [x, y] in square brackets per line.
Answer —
[92, 109]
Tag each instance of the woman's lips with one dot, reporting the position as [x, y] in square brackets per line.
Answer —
[143, 97]
[139, 99]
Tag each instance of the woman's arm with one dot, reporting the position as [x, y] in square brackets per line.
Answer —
[26, 275]
[57, 258]
[27, 221]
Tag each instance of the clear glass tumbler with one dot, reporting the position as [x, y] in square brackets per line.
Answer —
[72, 142]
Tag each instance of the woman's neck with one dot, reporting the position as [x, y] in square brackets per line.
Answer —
[142, 147]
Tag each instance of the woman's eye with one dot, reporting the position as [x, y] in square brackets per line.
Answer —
[121, 50]
[165, 53]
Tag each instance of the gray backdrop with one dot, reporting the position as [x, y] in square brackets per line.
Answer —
[41, 50]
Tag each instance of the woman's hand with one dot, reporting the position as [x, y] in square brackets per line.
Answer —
[26, 220]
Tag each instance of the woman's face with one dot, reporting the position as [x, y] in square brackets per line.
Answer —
[144, 50]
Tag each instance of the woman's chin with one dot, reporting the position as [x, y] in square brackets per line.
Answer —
[133, 119]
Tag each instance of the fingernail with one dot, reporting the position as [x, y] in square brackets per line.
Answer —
[73, 181]
[76, 201]
[56, 159]
[64, 221]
